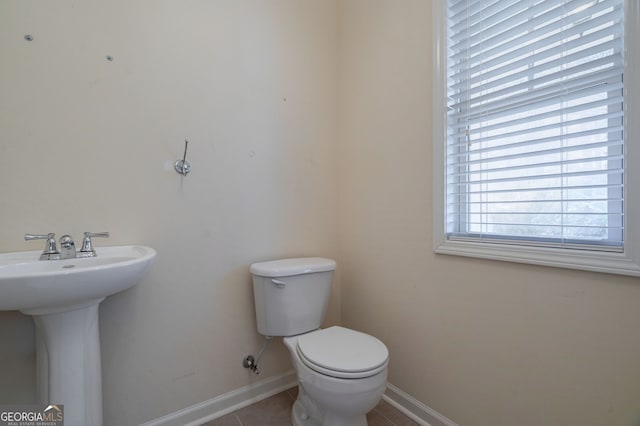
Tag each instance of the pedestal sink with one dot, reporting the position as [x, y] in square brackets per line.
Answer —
[63, 298]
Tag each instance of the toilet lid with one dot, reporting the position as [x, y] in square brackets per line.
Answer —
[341, 352]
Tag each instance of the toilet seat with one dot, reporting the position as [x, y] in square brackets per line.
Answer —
[343, 353]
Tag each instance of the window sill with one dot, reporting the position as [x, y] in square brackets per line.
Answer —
[595, 261]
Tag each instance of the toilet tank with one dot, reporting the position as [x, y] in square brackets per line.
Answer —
[291, 295]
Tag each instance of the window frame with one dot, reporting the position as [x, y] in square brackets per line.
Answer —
[626, 262]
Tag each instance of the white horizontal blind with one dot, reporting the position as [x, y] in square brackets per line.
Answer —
[535, 122]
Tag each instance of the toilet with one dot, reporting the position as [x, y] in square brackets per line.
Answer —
[342, 373]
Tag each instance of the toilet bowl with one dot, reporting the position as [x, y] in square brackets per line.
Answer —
[342, 375]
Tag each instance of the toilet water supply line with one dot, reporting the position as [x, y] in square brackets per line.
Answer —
[252, 363]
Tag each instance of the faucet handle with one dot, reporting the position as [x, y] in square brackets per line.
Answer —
[87, 245]
[28, 237]
[50, 250]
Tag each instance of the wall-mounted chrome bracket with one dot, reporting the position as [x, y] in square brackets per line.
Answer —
[183, 167]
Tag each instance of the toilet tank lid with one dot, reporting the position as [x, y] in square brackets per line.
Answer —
[289, 267]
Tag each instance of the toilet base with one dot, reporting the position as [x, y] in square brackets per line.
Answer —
[300, 417]
[311, 416]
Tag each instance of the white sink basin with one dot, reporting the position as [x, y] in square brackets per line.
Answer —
[63, 298]
[46, 286]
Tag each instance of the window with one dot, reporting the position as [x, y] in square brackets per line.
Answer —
[533, 101]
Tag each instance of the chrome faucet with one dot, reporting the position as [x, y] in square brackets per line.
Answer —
[67, 245]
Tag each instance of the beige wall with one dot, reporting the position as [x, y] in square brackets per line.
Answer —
[310, 133]
[482, 342]
[85, 143]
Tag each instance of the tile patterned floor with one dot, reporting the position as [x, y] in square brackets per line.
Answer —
[276, 411]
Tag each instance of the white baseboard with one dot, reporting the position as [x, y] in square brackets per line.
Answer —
[227, 403]
[414, 409]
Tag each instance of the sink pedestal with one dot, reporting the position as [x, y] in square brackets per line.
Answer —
[68, 369]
